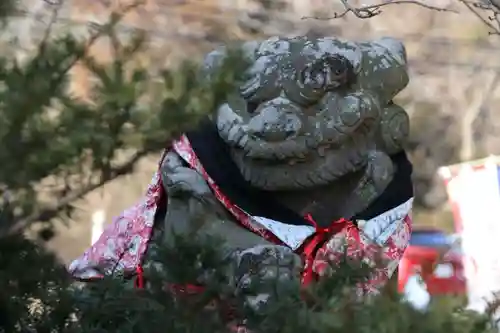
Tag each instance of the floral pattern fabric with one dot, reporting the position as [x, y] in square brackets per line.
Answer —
[353, 243]
[123, 243]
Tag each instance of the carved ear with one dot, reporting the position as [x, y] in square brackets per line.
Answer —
[394, 47]
[214, 59]
[394, 128]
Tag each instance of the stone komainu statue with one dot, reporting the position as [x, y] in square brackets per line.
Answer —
[303, 165]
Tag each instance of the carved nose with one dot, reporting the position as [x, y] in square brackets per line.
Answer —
[275, 121]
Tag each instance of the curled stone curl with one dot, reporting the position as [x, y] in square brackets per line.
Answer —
[394, 128]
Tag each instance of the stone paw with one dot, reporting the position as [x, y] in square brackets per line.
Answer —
[261, 267]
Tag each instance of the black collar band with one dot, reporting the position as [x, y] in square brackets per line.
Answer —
[214, 155]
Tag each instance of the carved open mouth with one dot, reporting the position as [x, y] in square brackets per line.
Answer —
[296, 150]
[300, 159]
[317, 167]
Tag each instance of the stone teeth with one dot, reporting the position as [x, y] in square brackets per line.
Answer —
[322, 149]
[244, 140]
[301, 155]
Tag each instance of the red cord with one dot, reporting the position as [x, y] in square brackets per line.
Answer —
[139, 280]
[186, 288]
[312, 246]
[319, 230]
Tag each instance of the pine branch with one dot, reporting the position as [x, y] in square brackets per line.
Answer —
[7, 8]
[48, 212]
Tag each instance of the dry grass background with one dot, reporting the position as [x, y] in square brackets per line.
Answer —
[445, 50]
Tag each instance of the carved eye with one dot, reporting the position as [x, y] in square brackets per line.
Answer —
[340, 71]
[327, 73]
[314, 76]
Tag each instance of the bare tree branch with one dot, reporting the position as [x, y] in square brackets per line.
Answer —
[479, 98]
[475, 7]
[364, 12]
[53, 2]
[492, 7]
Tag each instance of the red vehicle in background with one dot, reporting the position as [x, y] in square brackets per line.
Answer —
[436, 257]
